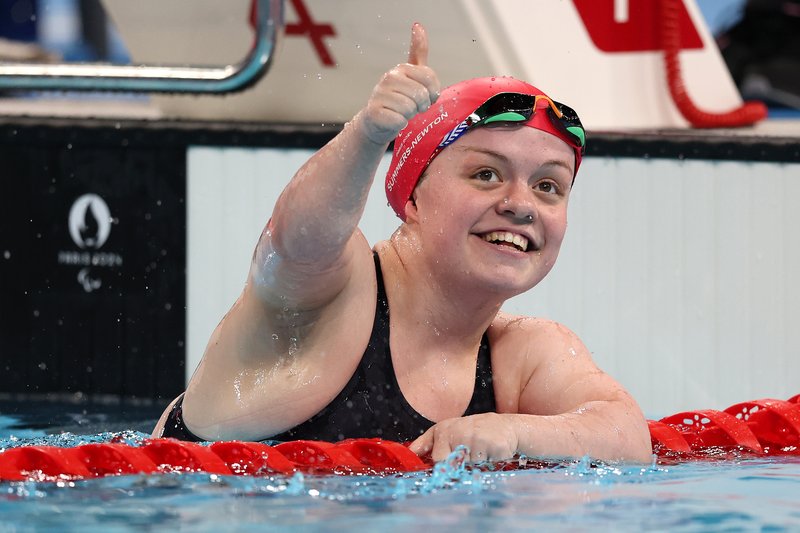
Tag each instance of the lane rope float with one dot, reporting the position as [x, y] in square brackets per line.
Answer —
[756, 428]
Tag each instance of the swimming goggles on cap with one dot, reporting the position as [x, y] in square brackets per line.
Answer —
[518, 107]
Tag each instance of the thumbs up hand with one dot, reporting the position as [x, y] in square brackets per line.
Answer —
[404, 91]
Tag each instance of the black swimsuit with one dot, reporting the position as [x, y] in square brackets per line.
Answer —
[371, 404]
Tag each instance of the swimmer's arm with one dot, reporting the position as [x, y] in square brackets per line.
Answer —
[610, 429]
[280, 353]
[567, 408]
[313, 227]
[570, 407]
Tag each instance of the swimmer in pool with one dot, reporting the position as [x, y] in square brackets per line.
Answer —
[332, 339]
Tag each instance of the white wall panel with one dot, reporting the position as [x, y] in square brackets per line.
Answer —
[230, 194]
[680, 276]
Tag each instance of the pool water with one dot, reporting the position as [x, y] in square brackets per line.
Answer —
[737, 494]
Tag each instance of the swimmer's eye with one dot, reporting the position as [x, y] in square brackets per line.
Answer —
[487, 175]
[547, 187]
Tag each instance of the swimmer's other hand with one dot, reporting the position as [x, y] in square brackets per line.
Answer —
[404, 91]
[488, 436]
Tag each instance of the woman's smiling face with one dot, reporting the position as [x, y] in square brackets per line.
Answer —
[494, 205]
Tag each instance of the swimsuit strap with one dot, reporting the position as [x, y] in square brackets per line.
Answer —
[483, 395]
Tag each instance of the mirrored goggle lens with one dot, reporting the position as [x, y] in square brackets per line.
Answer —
[505, 107]
[568, 123]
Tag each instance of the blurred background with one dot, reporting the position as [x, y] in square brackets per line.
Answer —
[72, 30]
[759, 40]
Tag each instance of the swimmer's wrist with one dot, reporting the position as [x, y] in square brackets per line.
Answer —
[361, 130]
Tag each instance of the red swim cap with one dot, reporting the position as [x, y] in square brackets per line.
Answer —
[418, 141]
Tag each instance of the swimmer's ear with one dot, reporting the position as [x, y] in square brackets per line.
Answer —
[411, 210]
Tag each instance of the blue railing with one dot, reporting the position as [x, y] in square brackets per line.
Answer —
[156, 78]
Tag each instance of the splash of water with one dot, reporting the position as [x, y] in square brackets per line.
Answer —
[450, 472]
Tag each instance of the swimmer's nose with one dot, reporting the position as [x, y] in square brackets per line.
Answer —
[518, 204]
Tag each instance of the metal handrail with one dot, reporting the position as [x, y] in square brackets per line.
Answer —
[152, 78]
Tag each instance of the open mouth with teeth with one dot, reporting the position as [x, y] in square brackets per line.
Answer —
[506, 238]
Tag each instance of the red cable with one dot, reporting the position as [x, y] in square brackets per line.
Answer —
[749, 113]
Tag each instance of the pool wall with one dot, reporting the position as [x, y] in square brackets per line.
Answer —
[679, 275]
[92, 258]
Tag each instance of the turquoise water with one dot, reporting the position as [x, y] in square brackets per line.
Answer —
[730, 495]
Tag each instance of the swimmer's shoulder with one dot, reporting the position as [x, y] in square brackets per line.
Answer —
[533, 357]
[532, 339]
[521, 328]
[519, 346]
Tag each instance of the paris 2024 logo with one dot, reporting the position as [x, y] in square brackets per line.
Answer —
[90, 223]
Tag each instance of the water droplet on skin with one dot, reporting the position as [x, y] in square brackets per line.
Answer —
[274, 336]
[261, 376]
[319, 76]
[237, 388]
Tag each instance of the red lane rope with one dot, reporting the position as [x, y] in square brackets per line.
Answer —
[764, 427]
[354, 456]
[749, 113]
[754, 428]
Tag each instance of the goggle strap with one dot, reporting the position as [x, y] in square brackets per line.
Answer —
[552, 104]
[453, 135]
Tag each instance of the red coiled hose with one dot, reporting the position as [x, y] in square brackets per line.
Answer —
[749, 113]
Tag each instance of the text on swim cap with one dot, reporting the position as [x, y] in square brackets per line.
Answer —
[393, 179]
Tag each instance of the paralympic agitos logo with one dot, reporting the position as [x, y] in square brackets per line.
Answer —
[89, 223]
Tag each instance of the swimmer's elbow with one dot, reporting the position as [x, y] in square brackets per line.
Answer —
[639, 448]
[633, 435]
